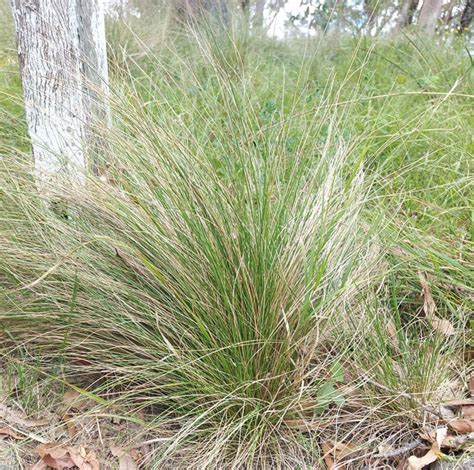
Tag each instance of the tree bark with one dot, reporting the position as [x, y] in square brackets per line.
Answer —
[93, 49]
[61, 50]
[259, 11]
[429, 14]
[467, 16]
[407, 12]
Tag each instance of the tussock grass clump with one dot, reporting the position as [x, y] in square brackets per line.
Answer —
[227, 275]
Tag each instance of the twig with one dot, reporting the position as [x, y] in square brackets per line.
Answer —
[400, 450]
[456, 441]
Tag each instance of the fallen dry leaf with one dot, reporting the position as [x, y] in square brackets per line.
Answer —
[60, 457]
[328, 460]
[75, 400]
[55, 456]
[126, 461]
[461, 426]
[4, 432]
[137, 455]
[40, 465]
[429, 307]
[468, 411]
[417, 463]
[71, 427]
[335, 452]
[15, 417]
[84, 460]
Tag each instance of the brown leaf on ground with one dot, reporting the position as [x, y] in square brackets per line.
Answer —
[328, 460]
[84, 460]
[429, 307]
[60, 457]
[137, 455]
[450, 441]
[471, 386]
[126, 461]
[417, 463]
[335, 452]
[40, 465]
[468, 411]
[55, 456]
[75, 400]
[7, 432]
[16, 417]
[461, 426]
[71, 427]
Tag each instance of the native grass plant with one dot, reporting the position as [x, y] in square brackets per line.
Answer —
[196, 288]
[230, 272]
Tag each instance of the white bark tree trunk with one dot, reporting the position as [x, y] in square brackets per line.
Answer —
[259, 11]
[429, 14]
[61, 49]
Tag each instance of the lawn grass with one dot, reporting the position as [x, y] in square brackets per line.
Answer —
[247, 274]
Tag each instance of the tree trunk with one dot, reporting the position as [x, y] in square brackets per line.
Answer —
[61, 50]
[259, 10]
[369, 10]
[93, 49]
[467, 16]
[407, 12]
[429, 14]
